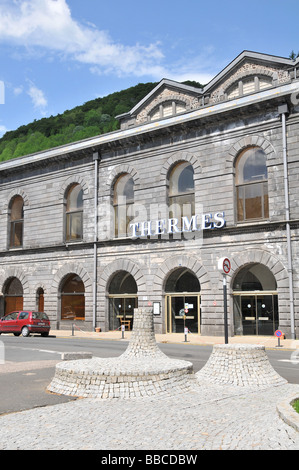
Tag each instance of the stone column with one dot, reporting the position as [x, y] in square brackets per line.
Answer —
[143, 341]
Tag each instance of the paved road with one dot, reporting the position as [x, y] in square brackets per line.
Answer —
[208, 417]
[30, 365]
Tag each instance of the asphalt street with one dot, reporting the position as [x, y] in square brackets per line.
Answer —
[30, 365]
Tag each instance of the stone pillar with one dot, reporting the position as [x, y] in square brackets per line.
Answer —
[143, 341]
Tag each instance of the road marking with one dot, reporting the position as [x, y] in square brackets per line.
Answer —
[35, 349]
[292, 361]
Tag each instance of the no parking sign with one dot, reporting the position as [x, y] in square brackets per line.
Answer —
[224, 266]
[278, 334]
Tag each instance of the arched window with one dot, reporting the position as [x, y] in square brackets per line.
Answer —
[16, 222]
[13, 295]
[168, 108]
[74, 213]
[255, 301]
[182, 289]
[181, 191]
[252, 185]
[73, 298]
[40, 299]
[123, 200]
[247, 85]
[122, 300]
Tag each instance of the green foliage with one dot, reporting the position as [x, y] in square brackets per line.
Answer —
[293, 55]
[296, 406]
[93, 118]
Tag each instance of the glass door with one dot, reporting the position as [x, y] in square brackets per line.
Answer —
[267, 314]
[121, 311]
[255, 314]
[248, 309]
[183, 311]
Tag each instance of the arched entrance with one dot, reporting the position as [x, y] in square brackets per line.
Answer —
[255, 301]
[73, 298]
[122, 300]
[13, 295]
[182, 298]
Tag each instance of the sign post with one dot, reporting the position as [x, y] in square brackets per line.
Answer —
[278, 335]
[224, 266]
[185, 328]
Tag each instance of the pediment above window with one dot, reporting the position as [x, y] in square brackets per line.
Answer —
[168, 99]
[248, 78]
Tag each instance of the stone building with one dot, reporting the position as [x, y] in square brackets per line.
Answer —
[141, 216]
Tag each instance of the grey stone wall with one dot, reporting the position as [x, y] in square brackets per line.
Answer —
[45, 259]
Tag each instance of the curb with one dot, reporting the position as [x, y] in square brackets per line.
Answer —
[287, 413]
[73, 356]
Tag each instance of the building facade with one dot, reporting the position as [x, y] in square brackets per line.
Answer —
[141, 216]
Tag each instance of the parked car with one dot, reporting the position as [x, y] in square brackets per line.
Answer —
[24, 322]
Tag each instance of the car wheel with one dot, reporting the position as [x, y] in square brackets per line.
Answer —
[25, 331]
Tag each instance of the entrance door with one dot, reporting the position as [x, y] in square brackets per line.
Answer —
[183, 311]
[248, 311]
[267, 314]
[121, 311]
[255, 314]
[13, 303]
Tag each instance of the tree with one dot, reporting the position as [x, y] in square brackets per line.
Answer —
[293, 55]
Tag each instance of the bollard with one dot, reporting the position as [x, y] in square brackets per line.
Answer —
[123, 327]
[186, 333]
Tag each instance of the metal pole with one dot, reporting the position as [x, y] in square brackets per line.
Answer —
[96, 159]
[225, 309]
[282, 110]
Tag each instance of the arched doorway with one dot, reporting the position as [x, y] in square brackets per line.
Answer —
[13, 295]
[255, 301]
[182, 290]
[73, 298]
[122, 300]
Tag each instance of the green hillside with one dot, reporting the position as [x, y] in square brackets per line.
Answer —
[90, 119]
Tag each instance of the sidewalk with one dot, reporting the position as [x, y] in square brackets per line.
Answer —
[179, 338]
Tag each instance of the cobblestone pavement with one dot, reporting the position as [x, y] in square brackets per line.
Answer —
[207, 417]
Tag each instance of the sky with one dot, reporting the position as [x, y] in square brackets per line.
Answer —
[58, 54]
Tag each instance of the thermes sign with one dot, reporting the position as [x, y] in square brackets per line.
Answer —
[176, 226]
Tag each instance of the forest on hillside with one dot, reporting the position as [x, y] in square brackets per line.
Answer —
[93, 118]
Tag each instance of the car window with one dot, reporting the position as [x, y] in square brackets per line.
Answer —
[40, 316]
[24, 315]
[12, 316]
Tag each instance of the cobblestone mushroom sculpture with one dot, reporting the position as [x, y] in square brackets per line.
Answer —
[240, 365]
[142, 370]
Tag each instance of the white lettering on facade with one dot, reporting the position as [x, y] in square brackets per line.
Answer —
[171, 226]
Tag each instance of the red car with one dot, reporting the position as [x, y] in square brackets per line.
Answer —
[24, 322]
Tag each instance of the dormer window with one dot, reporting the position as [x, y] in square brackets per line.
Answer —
[248, 85]
[166, 109]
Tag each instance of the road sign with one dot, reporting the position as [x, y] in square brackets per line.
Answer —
[278, 335]
[224, 265]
